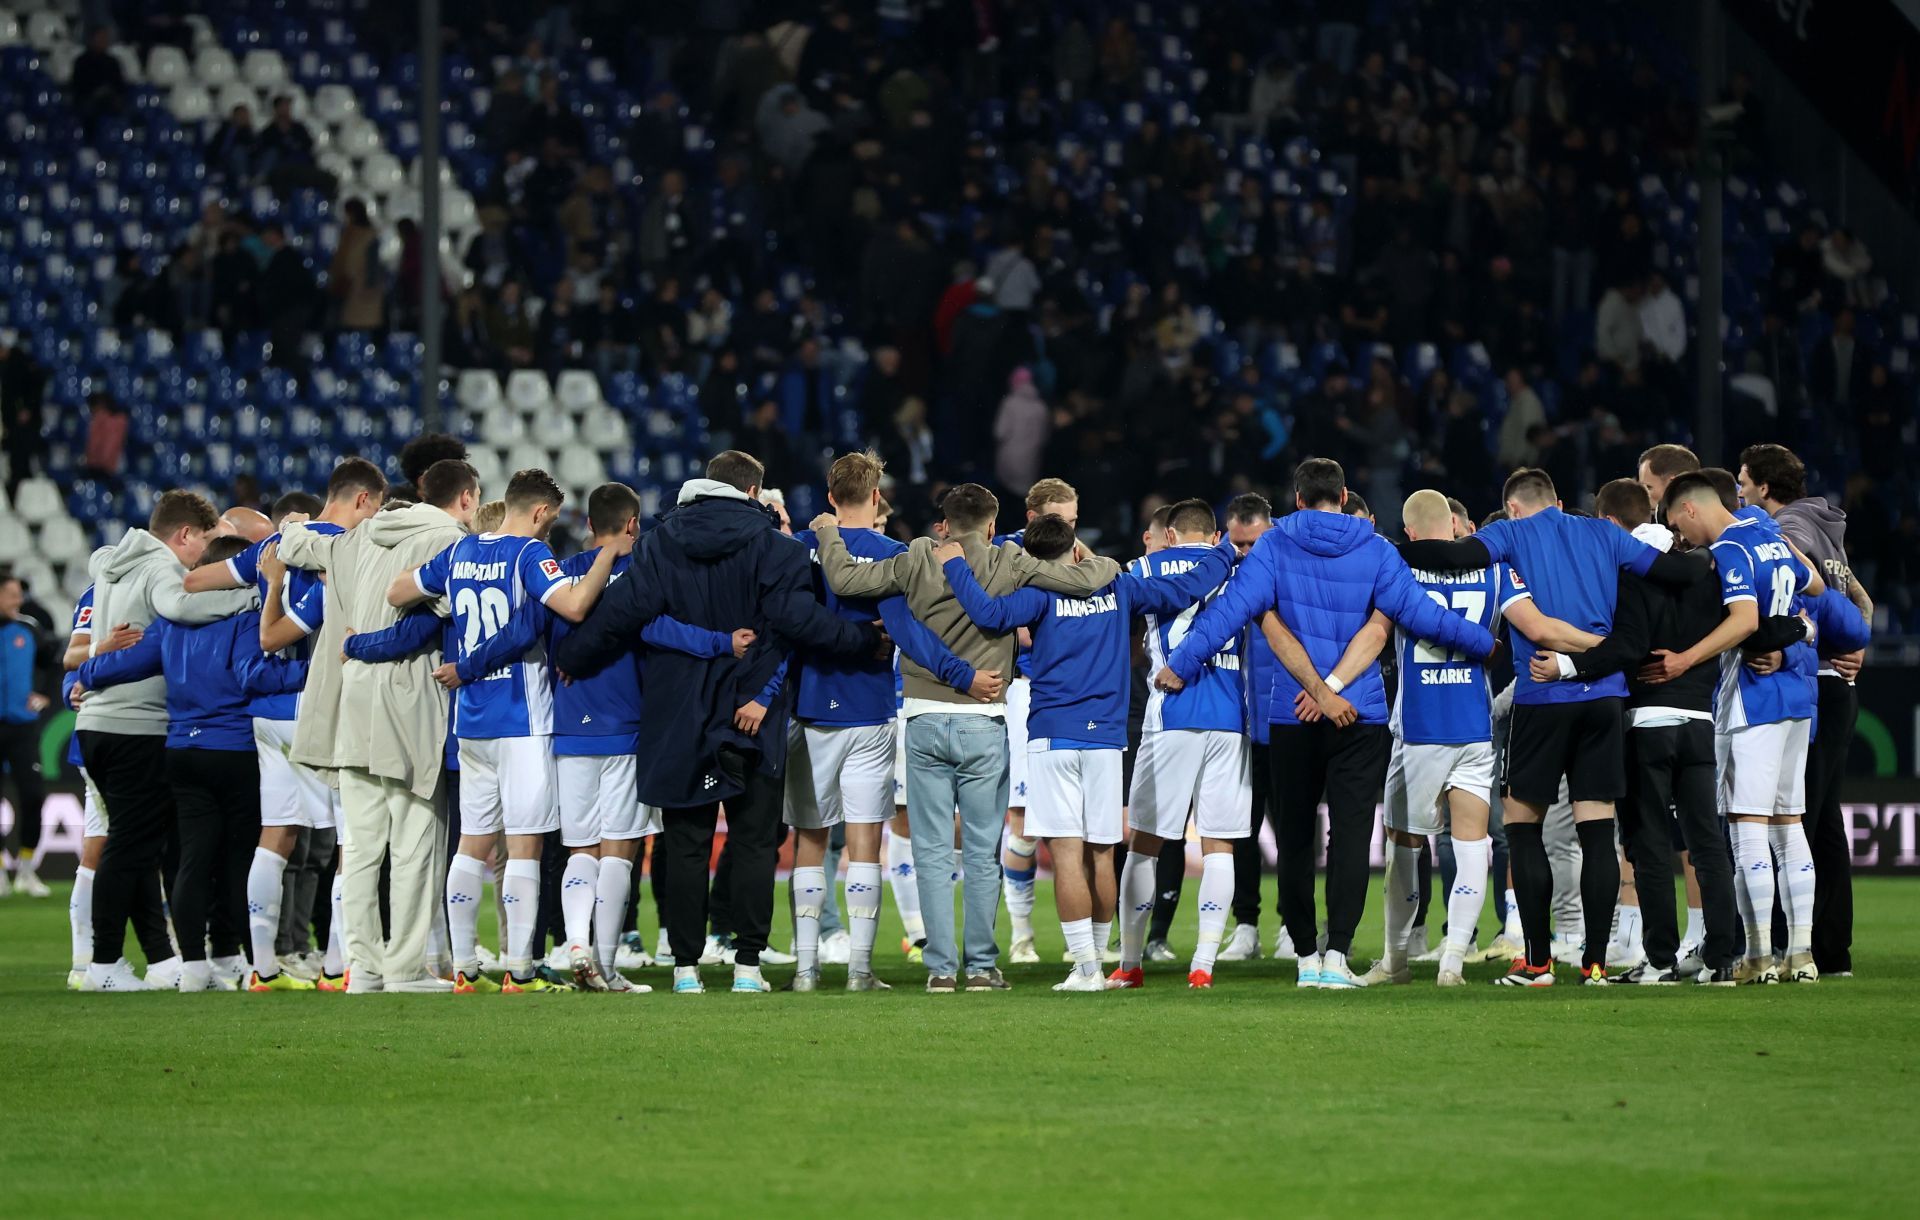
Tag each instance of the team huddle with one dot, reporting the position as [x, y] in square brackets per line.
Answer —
[416, 672]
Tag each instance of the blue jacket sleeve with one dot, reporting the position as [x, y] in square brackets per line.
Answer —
[613, 626]
[418, 628]
[1842, 627]
[1020, 608]
[1173, 593]
[271, 674]
[1401, 598]
[505, 645]
[129, 664]
[921, 646]
[1249, 594]
[668, 632]
[771, 690]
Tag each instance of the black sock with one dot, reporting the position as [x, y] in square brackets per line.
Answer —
[1532, 888]
[1599, 886]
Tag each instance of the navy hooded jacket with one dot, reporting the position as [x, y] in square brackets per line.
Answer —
[719, 562]
[207, 667]
[1325, 573]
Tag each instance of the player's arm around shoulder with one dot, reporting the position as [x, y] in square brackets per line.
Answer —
[1077, 579]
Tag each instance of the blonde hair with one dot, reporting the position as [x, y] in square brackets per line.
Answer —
[488, 516]
[1050, 491]
[854, 477]
[1428, 512]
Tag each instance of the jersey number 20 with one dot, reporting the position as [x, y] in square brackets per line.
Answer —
[482, 613]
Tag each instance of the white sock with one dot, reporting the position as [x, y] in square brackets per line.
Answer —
[80, 917]
[1796, 883]
[335, 964]
[1696, 926]
[578, 883]
[500, 911]
[612, 884]
[466, 886]
[439, 947]
[1216, 895]
[1136, 906]
[1472, 858]
[1016, 886]
[1332, 962]
[1626, 926]
[520, 891]
[1086, 959]
[1402, 900]
[1753, 869]
[808, 887]
[264, 878]
[1513, 930]
[1102, 937]
[862, 889]
[906, 890]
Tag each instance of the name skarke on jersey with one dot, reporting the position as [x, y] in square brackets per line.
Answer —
[1453, 675]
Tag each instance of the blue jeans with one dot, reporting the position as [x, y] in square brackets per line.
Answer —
[957, 761]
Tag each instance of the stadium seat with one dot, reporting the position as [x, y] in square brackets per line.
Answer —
[606, 431]
[577, 390]
[238, 93]
[358, 138]
[334, 105]
[213, 67]
[190, 103]
[264, 69]
[167, 66]
[485, 461]
[528, 391]
[477, 389]
[502, 426]
[63, 541]
[37, 501]
[526, 456]
[380, 170]
[46, 31]
[16, 543]
[580, 472]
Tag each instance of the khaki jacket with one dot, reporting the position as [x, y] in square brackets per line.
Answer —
[388, 719]
[999, 569]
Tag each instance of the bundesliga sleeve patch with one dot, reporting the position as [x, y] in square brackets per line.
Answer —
[85, 619]
[1513, 578]
[551, 568]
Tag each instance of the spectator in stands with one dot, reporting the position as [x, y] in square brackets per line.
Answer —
[710, 323]
[594, 219]
[508, 327]
[1881, 410]
[231, 152]
[661, 324]
[609, 334]
[1839, 368]
[1663, 323]
[671, 233]
[551, 120]
[231, 291]
[189, 289]
[787, 127]
[1799, 273]
[136, 299]
[22, 418]
[1020, 431]
[559, 342]
[98, 85]
[357, 278]
[508, 110]
[1617, 332]
[285, 153]
[287, 295]
[106, 435]
[1848, 266]
[1517, 446]
[907, 449]
[762, 435]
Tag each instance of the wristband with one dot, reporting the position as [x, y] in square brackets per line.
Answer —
[1565, 663]
[1335, 684]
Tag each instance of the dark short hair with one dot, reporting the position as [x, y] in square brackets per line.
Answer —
[1048, 536]
[1724, 483]
[1192, 517]
[223, 548]
[1157, 519]
[177, 508]
[1249, 508]
[969, 506]
[610, 506]
[1458, 509]
[1695, 484]
[296, 502]
[1777, 466]
[1669, 460]
[1318, 482]
[531, 488]
[1356, 505]
[737, 470]
[447, 480]
[1498, 514]
[354, 475]
[1529, 483]
[1625, 501]
[420, 454]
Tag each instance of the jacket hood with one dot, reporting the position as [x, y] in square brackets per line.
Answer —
[1324, 533]
[137, 550]
[694, 489]
[1659, 537]
[390, 529]
[1819, 514]
[715, 525]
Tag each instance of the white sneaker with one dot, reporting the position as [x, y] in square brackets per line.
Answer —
[77, 979]
[1381, 975]
[117, 977]
[426, 986]
[1336, 975]
[1624, 957]
[195, 976]
[1160, 951]
[365, 984]
[231, 970]
[1502, 949]
[300, 966]
[1243, 944]
[1023, 953]
[626, 957]
[620, 984]
[1449, 976]
[558, 960]
[1689, 963]
[1568, 950]
[1417, 948]
[662, 950]
[28, 882]
[1078, 981]
[771, 956]
[1284, 950]
[490, 962]
[747, 981]
[585, 968]
[1309, 971]
[164, 976]
[836, 949]
[716, 952]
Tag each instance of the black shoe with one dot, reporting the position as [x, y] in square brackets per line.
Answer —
[1646, 974]
[988, 980]
[1717, 976]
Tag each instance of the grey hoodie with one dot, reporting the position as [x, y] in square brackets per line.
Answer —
[1819, 529]
[137, 581]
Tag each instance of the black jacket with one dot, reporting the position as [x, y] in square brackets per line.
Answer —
[719, 563]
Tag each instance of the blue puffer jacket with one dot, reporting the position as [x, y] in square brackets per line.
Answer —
[206, 667]
[1325, 573]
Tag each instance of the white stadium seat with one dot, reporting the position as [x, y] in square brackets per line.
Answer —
[238, 93]
[38, 501]
[63, 541]
[380, 172]
[16, 543]
[335, 104]
[528, 391]
[190, 102]
[264, 69]
[486, 463]
[580, 471]
[577, 390]
[502, 426]
[167, 67]
[214, 67]
[477, 389]
[9, 30]
[457, 211]
[358, 138]
[47, 31]
[525, 456]
[605, 430]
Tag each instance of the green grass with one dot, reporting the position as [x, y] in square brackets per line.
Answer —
[1252, 1099]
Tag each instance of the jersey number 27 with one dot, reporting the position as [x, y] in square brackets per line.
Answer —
[1471, 604]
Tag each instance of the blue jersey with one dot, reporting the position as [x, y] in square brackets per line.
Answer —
[82, 621]
[1217, 699]
[1081, 649]
[1259, 668]
[847, 691]
[1756, 565]
[1572, 565]
[303, 598]
[490, 578]
[1443, 696]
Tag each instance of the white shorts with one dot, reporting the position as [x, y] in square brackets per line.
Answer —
[1019, 693]
[1419, 774]
[1763, 769]
[93, 813]
[839, 774]
[507, 783]
[1204, 770]
[290, 794]
[598, 799]
[1077, 794]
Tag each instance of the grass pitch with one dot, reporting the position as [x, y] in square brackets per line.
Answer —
[1254, 1099]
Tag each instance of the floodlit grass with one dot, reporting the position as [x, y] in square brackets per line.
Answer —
[1254, 1099]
